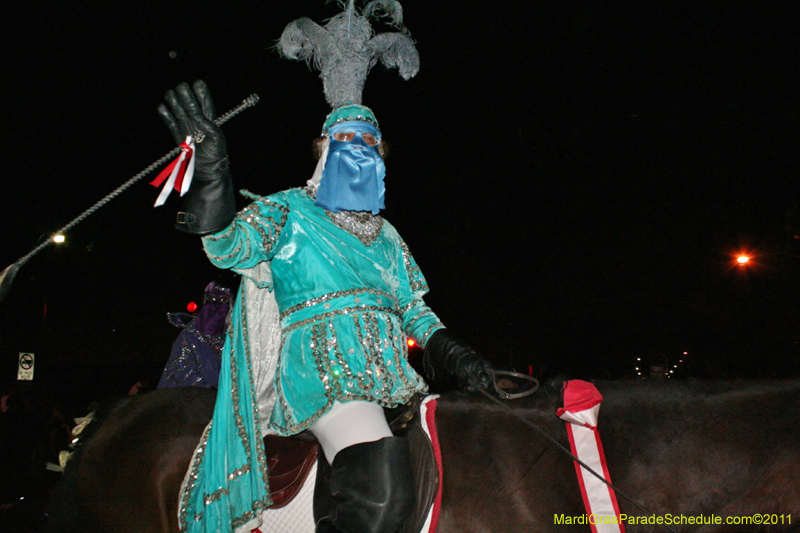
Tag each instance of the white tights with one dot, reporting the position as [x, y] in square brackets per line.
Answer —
[347, 424]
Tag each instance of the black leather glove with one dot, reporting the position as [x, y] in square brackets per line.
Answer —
[209, 205]
[447, 356]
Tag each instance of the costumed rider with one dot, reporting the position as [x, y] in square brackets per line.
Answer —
[329, 296]
[196, 353]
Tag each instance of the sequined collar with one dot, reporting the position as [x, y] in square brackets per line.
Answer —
[363, 225]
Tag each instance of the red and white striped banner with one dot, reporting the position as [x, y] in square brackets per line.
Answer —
[178, 174]
[428, 411]
[581, 407]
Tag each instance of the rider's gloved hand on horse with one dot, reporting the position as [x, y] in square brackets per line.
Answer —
[448, 357]
[209, 205]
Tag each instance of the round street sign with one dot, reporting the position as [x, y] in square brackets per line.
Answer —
[26, 361]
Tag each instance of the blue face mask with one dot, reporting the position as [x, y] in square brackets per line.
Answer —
[352, 179]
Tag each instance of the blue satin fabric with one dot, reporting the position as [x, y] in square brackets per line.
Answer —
[352, 179]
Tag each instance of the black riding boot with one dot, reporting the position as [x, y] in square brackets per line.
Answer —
[371, 489]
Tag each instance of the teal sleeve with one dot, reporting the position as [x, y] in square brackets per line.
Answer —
[419, 322]
[251, 238]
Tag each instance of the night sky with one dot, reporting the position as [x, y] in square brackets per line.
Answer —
[572, 177]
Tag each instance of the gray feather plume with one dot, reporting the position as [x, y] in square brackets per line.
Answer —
[385, 8]
[396, 50]
[346, 48]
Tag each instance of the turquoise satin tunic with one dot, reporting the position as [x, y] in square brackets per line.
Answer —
[348, 303]
[347, 307]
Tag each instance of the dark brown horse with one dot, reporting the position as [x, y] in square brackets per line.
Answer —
[681, 450]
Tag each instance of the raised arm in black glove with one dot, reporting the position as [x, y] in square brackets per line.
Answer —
[447, 356]
[209, 205]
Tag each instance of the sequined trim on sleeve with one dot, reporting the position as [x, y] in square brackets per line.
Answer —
[415, 277]
[261, 217]
[433, 328]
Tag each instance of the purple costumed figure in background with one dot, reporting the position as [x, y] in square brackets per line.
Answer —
[195, 357]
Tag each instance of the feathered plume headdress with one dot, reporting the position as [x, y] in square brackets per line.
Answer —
[346, 48]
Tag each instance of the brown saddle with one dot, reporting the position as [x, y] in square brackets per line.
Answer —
[289, 461]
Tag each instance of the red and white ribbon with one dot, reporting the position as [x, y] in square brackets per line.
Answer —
[581, 407]
[178, 174]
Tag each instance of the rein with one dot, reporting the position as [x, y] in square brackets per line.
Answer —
[560, 446]
[509, 395]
